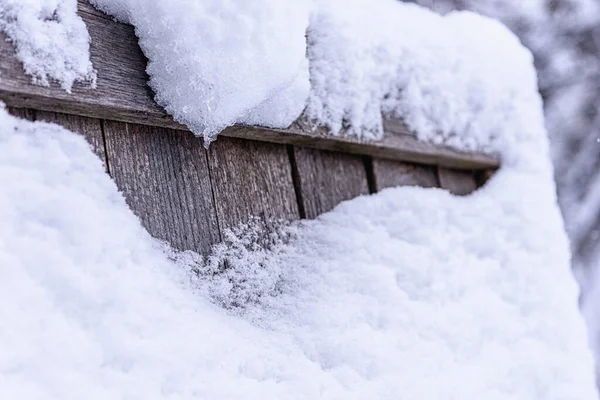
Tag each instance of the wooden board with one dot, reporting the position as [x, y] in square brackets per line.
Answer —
[25, 113]
[89, 128]
[324, 179]
[122, 95]
[394, 173]
[457, 182]
[165, 179]
[251, 179]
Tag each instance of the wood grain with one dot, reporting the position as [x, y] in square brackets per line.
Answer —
[324, 179]
[89, 128]
[457, 182]
[251, 179]
[25, 113]
[388, 173]
[165, 179]
[123, 95]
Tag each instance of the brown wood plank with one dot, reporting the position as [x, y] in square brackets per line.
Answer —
[122, 95]
[325, 179]
[251, 179]
[388, 173]
[457, 182]
[164, 177]
[90, 128]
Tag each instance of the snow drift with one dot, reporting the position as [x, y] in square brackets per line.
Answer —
[410, 293]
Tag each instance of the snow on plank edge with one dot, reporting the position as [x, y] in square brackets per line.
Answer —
[123, 95]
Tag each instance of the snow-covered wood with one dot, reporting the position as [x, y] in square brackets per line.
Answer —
[122, 94]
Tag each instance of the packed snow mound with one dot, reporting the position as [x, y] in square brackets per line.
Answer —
[50, 39]
[215, 63]
[410, 293]
[447, 77]
[93, 308]
[377, 299]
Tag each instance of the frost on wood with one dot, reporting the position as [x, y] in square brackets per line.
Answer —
[243, 270]
[50, 40]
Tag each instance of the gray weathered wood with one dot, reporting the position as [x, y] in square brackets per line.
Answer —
[457, 182]
[325, 179]
[165, 179]
[251, 178]
[388, 173]
[483, 176]
[25, 113]
[122, 95]
[89, 128]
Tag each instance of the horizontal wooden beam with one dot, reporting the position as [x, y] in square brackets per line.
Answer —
[123, 95]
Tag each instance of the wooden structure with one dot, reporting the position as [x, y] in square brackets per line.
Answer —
[188, 195]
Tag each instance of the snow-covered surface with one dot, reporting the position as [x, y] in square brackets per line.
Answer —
[410, 293]
[564, 37]
[358, 72]
[216, 63]
[51, 40]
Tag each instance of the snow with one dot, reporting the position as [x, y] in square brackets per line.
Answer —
[50, 39]
[264, 63]
[377, 299]
[358, 73]
[409, 293]
[216, 63]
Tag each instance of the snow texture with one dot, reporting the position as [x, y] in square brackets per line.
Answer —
[358, 73]
[564, 36]
[215, 63]
[410, 293]
[265, 62]
[407, 294]
[50, 40]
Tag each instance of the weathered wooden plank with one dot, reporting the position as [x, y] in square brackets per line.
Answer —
[483, 176]
[388, 173]
[324, 179]
[122, 95]
[25, 113]
[457, 182]
[89, 128]
[251, 178]
[165, 179]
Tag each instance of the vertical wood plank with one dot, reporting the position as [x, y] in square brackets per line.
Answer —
[326, 178]
[25, 113]
[457, 182]
[388, 173]
[90, 128]
[164, 176]
[483, 176]
[251, 179]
